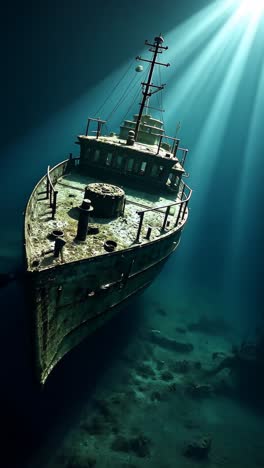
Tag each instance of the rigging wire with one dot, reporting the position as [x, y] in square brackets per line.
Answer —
[125, 94]
[161, 100]
[137, 94]
[113, 90]
[121, 99]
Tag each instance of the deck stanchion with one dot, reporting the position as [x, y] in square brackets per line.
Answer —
[185, 208]
[183, 188]
[179, 214]
[54, 204]
[48, 184]
[165, 218]
[140, 225]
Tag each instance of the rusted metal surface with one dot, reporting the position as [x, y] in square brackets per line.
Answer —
[78, 282]
[74, 299]
[76, 292]
[99, 228]
[123, 229]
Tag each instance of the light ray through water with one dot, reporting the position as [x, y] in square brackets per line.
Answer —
[210, 90]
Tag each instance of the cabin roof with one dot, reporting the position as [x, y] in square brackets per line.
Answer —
[144, 149]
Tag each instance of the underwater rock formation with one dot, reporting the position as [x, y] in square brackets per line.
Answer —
[169, 343]
[157, 396]
[181, 367]
[199, 390]
[139, 445]
[210, 326]
[87, 462]
[94, 427]
[198, 449]
[243, 357]
[166, 375]
[144, 370]
[246, 369]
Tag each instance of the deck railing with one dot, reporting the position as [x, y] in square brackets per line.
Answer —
[185, 195]
[51, 178]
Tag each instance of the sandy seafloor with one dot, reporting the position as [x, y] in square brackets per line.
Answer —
[142, 412]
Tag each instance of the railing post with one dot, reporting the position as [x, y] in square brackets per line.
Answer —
[48, 185]
[183, 188]
[179, 214]
[54, 204]
[140, 225]
[50, 196]
[87, 127]
[185, 208]
[176, 146]
[165, 218]
[71, 163]
[159, 145]
[185, 152]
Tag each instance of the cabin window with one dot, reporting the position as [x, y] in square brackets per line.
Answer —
[119, 162]
[143, 168]
[96, 155]
[87, 153]
[109, 159]
[136, 166]
[130, 164]
[169, 179]
[161, 170]
[154, 170]
[176, 181]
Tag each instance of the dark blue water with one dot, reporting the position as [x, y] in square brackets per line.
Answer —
[54, 62]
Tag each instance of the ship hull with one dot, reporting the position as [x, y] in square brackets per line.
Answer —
[71, 301]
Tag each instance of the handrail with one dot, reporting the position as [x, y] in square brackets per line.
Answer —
[185, 197]
[51, 193]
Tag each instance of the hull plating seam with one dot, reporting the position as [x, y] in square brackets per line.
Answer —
[144, 286]
[118, 283]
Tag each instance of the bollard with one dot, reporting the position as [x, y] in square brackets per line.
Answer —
[85, 210]
[59, 244]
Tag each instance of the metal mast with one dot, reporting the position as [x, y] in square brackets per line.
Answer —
[156, 48]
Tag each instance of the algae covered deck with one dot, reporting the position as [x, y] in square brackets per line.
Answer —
[123, 230]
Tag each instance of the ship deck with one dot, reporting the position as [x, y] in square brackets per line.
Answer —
[123, 230]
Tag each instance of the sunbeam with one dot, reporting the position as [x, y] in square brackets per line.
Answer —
[251, 8]
[216, 88]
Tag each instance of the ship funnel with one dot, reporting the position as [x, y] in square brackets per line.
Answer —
[84, 212]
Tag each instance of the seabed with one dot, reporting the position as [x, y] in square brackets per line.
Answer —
[161, 404]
